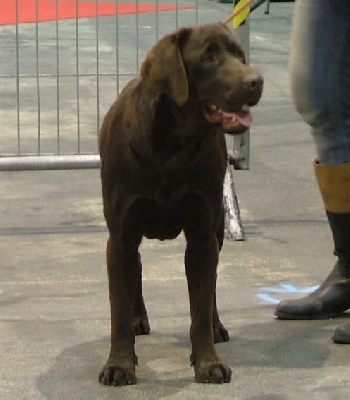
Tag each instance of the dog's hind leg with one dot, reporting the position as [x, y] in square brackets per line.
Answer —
[141, 322]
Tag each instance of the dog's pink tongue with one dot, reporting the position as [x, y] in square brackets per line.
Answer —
[245, 118]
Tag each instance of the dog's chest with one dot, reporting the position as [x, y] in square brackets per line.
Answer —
[166, 195]
[163, 221]
[164, 212]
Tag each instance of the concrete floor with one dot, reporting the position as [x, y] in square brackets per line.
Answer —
[54, 311]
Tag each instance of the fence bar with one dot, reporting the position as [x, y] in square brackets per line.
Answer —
[37, 69]
[241, 143]
[97, 69]
[18, 120]
[52, 162]
[117, 55]
[58, 103]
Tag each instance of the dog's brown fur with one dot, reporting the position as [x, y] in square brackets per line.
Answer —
[163, 161]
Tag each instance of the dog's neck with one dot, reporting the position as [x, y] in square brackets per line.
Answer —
[171, 138]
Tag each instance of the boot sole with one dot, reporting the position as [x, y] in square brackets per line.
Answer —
[288, 316]
[340, 339]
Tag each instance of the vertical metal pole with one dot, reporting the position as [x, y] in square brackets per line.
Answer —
[57, 79]
[98, 68]
[157, 21]
[241, 143]
[137, 47]
[77, 71]
[241, 149]
[38, 94]
[177, 14]
[18, 94]
[116, 50]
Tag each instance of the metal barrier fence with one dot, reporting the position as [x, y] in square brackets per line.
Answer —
[62, 63]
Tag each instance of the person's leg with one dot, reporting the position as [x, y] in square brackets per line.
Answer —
[320, 72]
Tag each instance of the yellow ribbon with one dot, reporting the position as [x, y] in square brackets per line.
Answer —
[241, 11]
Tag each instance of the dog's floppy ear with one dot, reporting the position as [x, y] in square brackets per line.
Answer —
[163, 69]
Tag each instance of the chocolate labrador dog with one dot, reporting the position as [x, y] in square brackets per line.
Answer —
[163, 161]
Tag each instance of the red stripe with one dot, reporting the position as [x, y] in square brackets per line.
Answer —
[45, 10]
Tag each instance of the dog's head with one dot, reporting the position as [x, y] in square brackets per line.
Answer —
[205, 64]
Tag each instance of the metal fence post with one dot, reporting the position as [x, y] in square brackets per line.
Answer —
[241, 143]
[239, 158]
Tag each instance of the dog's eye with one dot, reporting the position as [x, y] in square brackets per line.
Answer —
[210, 58]
[211, 53]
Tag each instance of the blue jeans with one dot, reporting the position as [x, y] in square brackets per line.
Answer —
[320, 74]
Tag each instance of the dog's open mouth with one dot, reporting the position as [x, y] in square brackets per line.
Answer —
[231, 122]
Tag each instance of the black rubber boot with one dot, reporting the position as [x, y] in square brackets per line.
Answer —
[333, 296]
[329, 300]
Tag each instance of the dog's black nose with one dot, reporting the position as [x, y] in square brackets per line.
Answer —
[253, 81]
[253, 86]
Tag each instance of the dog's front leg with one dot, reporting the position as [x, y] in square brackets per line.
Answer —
[122, 266]
[201, 262]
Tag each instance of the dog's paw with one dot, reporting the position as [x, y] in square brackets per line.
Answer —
[220, 333]
[213, 373]
[116, 376]
[141, 325]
